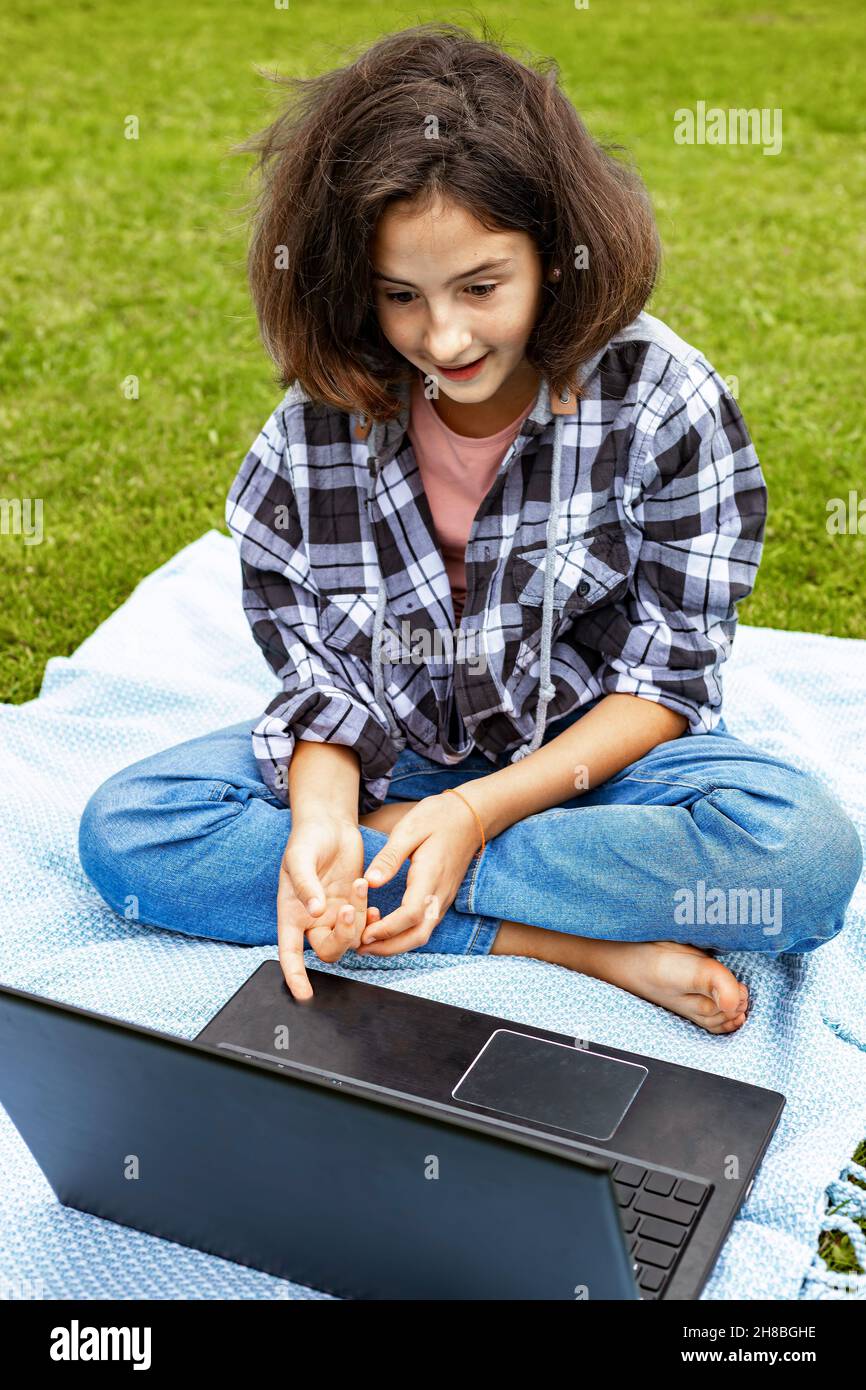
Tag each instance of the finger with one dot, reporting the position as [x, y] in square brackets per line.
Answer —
[317, 934]
[321, 936]
[431, 915]
[421, 880]
[352, 917]
[305, 880]
[359, 897]
[406, 941]
[290, 940]
[358, 903]
[384, 865]
[411, 913]
[348, 926]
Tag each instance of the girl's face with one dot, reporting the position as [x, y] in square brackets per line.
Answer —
[448, 292]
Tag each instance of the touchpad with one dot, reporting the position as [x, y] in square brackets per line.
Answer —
[551, 1083]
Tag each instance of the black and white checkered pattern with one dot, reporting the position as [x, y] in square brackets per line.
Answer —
[661, 524]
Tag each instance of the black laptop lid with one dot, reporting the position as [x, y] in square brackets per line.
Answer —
[357, 1196]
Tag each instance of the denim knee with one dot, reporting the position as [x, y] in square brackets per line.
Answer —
[101, 837]
[140, 810]
[128, 816]
[819, 868]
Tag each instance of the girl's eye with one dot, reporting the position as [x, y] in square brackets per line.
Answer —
[397, 296]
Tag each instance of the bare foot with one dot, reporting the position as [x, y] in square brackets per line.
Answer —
[682, 978]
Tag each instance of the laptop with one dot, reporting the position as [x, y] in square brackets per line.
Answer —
[376, 1145]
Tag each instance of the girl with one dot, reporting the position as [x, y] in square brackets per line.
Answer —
[492, 544]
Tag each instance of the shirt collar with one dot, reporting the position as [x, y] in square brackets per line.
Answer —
[537, 420]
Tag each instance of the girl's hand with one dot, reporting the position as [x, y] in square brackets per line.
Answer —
[320, 894]
[440, 837]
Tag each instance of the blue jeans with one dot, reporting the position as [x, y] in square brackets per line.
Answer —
[704, 840]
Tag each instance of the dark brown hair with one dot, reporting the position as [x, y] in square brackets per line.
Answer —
[509, 147]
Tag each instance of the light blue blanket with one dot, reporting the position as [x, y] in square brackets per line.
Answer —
[177, 660]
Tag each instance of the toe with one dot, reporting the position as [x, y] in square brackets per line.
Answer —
[705, 1009]
[730, 1025]
[723, 988]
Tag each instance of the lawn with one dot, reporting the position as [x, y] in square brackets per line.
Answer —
[126, 258]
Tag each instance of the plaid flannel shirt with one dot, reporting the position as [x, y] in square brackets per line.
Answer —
[661, 517]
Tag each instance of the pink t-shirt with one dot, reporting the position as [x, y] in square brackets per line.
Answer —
[457, 474]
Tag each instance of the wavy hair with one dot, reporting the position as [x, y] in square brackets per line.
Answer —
[509, 147]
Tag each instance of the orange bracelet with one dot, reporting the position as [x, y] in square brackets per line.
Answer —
[453, 792]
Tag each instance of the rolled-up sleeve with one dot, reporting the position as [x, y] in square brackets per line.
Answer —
[326, 696]
[700, 503]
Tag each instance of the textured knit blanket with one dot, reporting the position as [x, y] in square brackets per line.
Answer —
[176, 660]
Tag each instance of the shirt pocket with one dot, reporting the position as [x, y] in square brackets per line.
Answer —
[346, 623]
[589, 572]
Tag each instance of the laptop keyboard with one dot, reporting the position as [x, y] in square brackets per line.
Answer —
[658, 1212]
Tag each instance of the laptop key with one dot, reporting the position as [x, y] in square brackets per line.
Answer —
[665, 1231]
[664, 1207]
[651, 1279]
[630, 1174]
[628, 1221]
[662, 1184]
[652, 1254]
[692, 1192]
[623, 1194]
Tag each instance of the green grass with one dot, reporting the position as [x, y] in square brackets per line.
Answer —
[127, 257]
[836, 1249]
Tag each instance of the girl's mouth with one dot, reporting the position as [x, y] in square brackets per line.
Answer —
[464, 373]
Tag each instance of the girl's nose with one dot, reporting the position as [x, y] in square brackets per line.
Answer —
[447, 344]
